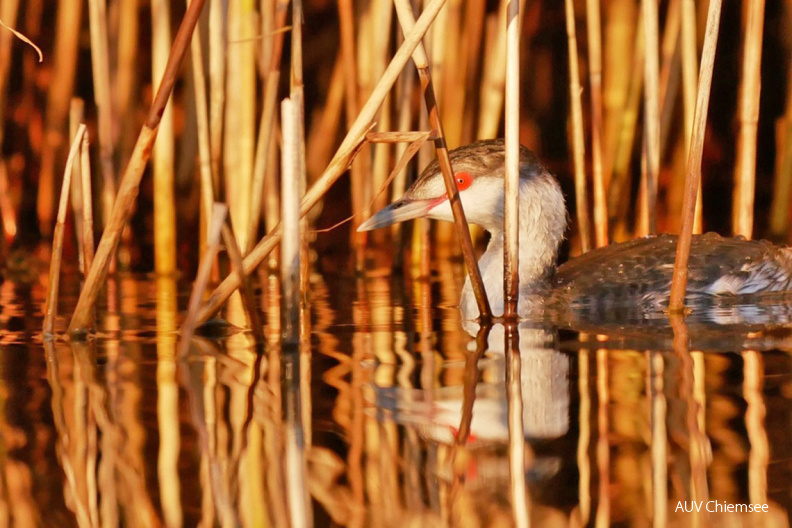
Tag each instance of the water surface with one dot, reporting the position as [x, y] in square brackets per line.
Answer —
[392, 414]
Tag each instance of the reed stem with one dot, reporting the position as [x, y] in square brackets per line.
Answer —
[593, 25]
[207, 189]
[76, 115]
[511, 192]
[648, 216]
[750, 89]
[267, 123]
[578, 142]
[59, 96]
[693, 177]
[51, 302]
[407, 21]
[163, 155]
[130, 182]
[338, 165]
[100, 62]
[87, 233]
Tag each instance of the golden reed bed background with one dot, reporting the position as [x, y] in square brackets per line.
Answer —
[104, 54]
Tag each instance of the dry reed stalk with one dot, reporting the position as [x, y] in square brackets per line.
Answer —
[451, 89]
[337, 166]
[382, 16]
[290, 216]
[297, 494]
[61, 87]
[750, 88]
[130, 182]
[618, 50]
[401, 137]
[207, 190]
[126, 65]
[404, 124]
[647, 218]
[407, 21]
[360, 184]
[670, 59]
[76, 111]
[494, 78]
[619, 188]
[693, 177]
[100, 65]
[51, 302]
[248, 298]
[266, 125]
[782, 185]
[517, 446]
[593, 24]
[87, 232]
[511, 187]
[219, 212]
[163, 155]
[240, 115]
[322, 133]
[218, 10]
[578, 142]
[475, 15]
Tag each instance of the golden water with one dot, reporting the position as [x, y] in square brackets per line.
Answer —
[389, 416]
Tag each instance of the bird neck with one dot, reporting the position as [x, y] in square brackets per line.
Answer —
[542, 222]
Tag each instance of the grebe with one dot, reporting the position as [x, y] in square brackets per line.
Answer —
[637, 271]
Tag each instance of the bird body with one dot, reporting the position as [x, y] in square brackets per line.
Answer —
[638, 271]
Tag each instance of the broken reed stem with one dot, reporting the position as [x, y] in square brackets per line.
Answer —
[87, 232]
[511, 190]
[130, 182]
[163, 155]
[338, 165]
[648, 214]
[750, 88]
[76, 113]
[207, 189]
[216, 223]
[51, 301]
[266, 124]
[578, 142]
[407, 21]
[693, 177]
[593, 25]
[249, 300]
[100, 65]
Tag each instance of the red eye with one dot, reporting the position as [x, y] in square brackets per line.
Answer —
[463, 180]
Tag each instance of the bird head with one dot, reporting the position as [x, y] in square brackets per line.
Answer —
[478, 173]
